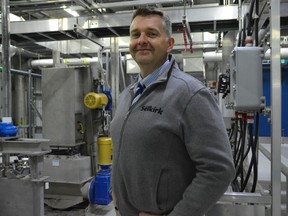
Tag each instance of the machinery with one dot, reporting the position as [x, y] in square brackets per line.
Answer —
[74, 131]
[64, 113]
[15, 178]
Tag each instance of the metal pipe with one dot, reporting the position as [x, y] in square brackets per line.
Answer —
[6, 74]
[38, 63]
[25, 73]
[276, 103]
[256, 27]
[29, 105]
[240, 14]
[122, 71]
[114, 71]
[212, 57]
[283, 53]
[19, 104]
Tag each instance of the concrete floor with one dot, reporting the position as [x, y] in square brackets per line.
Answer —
[75, 211]
[82, 210]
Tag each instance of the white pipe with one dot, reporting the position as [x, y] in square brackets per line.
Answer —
[39, 63]
[207, 57]
[212, 56]
[283, 53]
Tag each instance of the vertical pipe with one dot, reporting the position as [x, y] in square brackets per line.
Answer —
[6, 74]
[56, 58]
[107, 68]
[256, 28]
[240, 15]
[20, 104]
[122, 71]
[276, 108]
[29, 98]
[114, 71]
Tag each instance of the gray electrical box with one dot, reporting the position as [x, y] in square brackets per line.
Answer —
[246, 79]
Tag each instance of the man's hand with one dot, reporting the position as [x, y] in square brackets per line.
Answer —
[146, 214]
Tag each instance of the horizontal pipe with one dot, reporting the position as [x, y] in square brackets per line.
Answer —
[25, 73]
[207, 57]
[40, 63]
[212, 56]
[283, 53]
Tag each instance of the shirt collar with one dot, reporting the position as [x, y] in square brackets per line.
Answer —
[147, 81]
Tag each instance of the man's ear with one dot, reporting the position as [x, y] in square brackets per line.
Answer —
[171, 42]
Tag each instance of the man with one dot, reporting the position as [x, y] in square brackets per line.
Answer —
[171, 154]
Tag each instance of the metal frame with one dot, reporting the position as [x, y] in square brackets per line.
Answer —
[276, 108]
[203, 14]
[35, 149]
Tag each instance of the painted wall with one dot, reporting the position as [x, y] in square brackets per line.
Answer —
[265, 127]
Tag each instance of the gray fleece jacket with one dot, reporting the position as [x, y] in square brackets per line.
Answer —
[171, 153]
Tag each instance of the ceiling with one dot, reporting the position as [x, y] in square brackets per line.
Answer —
[46, 9]
[102, 19]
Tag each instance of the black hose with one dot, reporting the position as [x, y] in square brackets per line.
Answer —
[250, 129]
[240, 156]
[244, 31]
[256, 27]
[237, 152]
[249, 24]
[242, 152]
[240, 38]
[255, 168]
[254, 160]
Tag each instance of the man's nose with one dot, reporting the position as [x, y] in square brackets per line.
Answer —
[142, 39]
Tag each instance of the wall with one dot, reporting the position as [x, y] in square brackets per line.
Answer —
[265, 128]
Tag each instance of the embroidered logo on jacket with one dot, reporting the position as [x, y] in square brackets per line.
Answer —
[152, 109]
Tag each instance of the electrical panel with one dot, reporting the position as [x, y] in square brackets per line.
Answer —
[244, 89]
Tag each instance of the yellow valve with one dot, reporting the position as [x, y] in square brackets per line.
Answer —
[94, 100]
[104, 151]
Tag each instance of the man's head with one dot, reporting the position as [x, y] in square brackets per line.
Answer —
[150, 39]
[149, 11]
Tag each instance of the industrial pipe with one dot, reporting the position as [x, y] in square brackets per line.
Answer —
[39, 63]
[213, 56]
[6, 61]
[207, 57]
[283, 54]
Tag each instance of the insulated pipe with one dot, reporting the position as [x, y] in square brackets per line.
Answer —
[6, 75]
[207, 57]
[283, 53]
[212, 57]
[38, 63]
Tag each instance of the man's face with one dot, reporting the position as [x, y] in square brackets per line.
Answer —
[149, 44]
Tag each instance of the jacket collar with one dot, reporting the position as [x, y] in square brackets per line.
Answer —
[165, 75]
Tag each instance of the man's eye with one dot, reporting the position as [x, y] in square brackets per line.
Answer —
[134, 35]
[152, 34]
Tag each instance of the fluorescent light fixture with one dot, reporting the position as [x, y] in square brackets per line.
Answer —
[72, 12]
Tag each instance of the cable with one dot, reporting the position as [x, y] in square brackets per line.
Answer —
[243, 186]
[255, 168]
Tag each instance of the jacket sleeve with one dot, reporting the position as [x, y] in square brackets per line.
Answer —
[208, 146]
